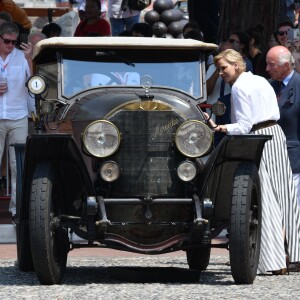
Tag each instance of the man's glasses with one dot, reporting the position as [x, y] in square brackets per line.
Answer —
[281, 33]
[7, 41]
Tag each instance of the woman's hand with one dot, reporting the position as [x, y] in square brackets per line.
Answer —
[209, 120]
[213, 125]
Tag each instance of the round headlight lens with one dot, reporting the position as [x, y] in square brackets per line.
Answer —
[193, 138]
[101, 138]
[186, 171]
[37, 84]
[109, 171]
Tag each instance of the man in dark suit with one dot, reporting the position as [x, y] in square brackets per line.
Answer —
[286, 83]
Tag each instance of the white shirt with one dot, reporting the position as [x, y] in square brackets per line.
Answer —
[253, 100]
[115, 11]
[14, 103]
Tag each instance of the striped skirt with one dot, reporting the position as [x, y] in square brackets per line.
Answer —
[280, 210]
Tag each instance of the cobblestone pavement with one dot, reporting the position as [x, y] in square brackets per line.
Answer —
[95, 278]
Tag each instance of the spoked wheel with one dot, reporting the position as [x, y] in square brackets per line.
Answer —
[198, 258]
[49, 242]
[245, 224]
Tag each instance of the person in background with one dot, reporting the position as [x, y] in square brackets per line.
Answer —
[206, 14]
[81, 9]
[281, 33]
[93, 24]
[121, 18]
[35, 37]
[254, 109]
[297, 13]
[125, 33]
[241, 43]
[23, 33]
[290, 6]
[193, 34]
[63, 3]
[5, 17]
[286, 84]
[51, 30]
[142, 30]
[255, 34]
[191, 26]
[15, 70]
[261, 64]
[17, 13]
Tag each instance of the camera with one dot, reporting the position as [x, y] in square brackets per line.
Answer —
[24, 38]
[293, 35]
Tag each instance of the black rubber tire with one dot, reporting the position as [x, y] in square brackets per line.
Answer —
[198, 258]
[49, 244]
[24, 254]
[245, 224]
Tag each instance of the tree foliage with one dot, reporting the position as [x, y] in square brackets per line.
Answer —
[241, 14]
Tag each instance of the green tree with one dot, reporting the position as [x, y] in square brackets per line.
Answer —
[242, 14]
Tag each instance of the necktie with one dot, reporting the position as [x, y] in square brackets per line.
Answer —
[281, 86]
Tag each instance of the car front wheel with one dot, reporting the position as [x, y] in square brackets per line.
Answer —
[245, 224]
[49, 242]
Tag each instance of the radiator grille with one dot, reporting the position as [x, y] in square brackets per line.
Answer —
[147, 156]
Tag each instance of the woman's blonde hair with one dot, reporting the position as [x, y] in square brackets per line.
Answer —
[232, 57]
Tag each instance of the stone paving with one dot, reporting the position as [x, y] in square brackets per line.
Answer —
[105, 278]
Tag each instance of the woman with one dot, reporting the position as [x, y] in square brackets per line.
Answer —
[93, 24]
[255, 109]
[255, 34]
[241, 43]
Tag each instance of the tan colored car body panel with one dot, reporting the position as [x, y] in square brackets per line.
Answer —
[121, 42]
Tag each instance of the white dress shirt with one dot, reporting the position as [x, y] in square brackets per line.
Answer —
[253, 100]
[14, 103]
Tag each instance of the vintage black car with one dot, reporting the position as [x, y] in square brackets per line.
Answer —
[122, 157]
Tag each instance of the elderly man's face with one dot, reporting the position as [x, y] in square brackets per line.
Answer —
[276, 70]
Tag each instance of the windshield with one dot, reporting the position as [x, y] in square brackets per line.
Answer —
[81, 75]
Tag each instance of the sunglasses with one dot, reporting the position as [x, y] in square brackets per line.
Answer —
[233, 41]
[281, 33]
[7, 41]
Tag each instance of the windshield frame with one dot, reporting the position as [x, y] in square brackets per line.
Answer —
[160, 65]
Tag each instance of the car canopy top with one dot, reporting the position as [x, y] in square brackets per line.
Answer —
[121, 42]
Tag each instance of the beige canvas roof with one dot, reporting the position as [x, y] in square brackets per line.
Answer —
[124, 42]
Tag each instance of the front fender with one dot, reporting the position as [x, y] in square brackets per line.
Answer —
[62, 151]
[216, 179]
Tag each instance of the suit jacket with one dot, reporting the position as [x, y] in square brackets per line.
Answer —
[289, 106]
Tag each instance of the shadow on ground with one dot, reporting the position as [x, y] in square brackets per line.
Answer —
[81, 275]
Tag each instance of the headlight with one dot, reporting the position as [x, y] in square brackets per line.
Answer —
[193, 138]
[109, 171]
[101, 138]
[37, 84]
[186, 171]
